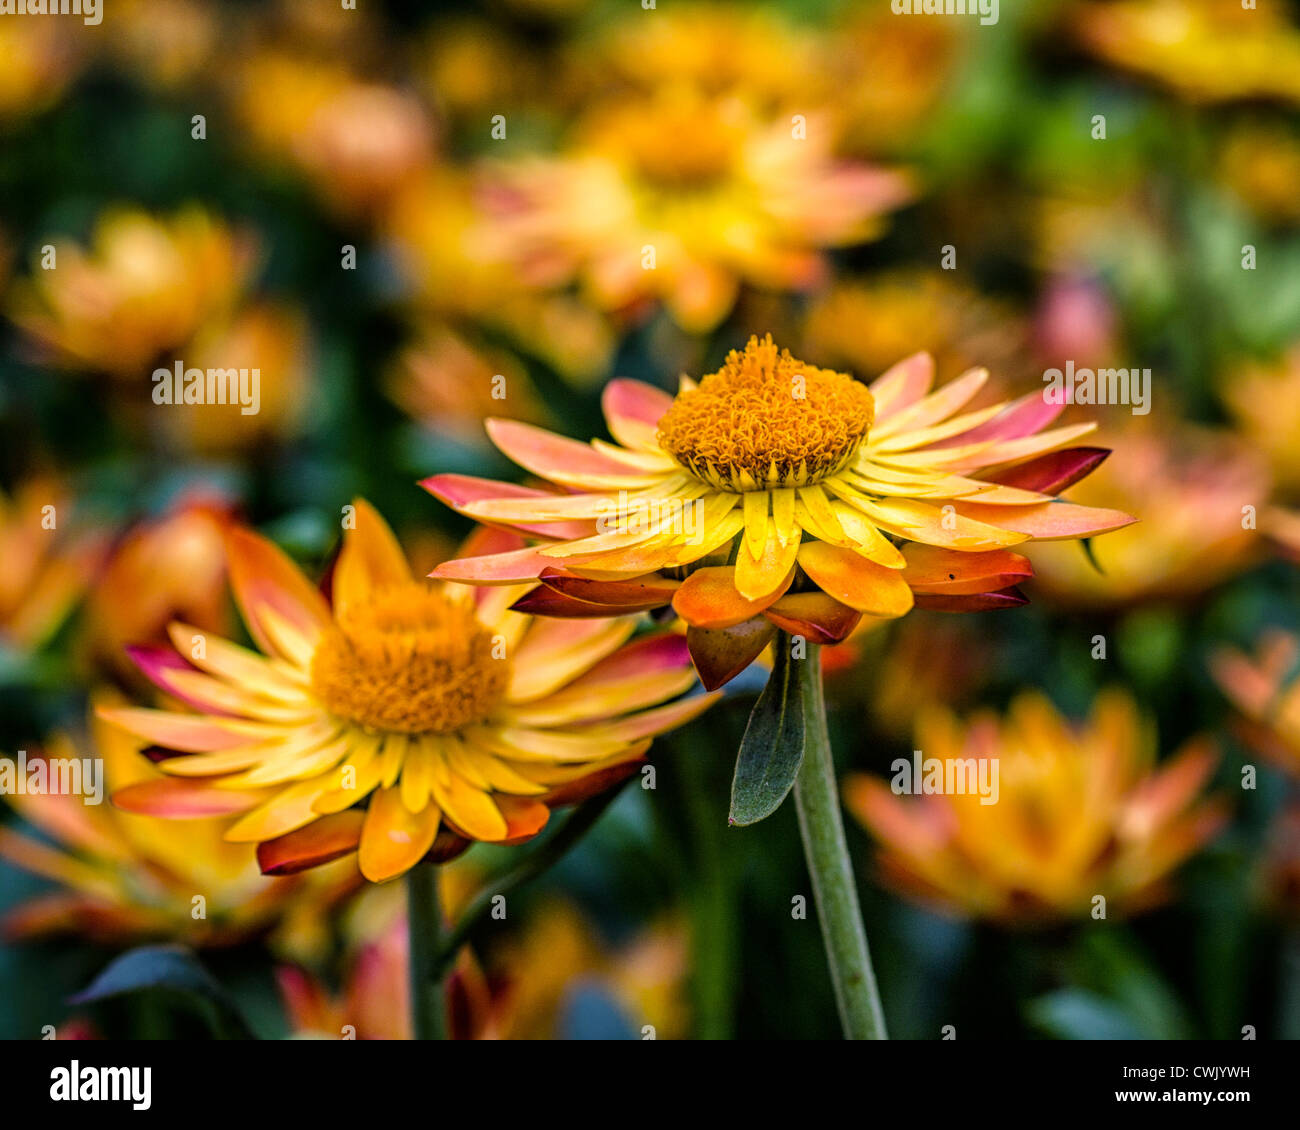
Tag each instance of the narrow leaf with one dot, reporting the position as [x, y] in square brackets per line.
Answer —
[772, 748]
[173, 969]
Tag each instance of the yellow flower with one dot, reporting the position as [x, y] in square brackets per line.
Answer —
[1191, 485]
[717, 49]
[168, 568]
[40, 58]
[866, 326]
[787, 488]
[522, 995]
[271, 338]
[49, 560]
[681, 197]
[123, 878]
[1267, 692]
[1265, 401]
[1080, 812]
[884, 75]
[448, 385]
[167, 46]
[1259, 163]
[147, 286]
[1205, 50]
[357, 143]
[455, 717]
[440, 239]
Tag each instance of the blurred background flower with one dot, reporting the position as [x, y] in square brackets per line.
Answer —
[1081, 813]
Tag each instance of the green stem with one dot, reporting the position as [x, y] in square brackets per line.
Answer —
[834, 889]
[532, 865]
[425, 926]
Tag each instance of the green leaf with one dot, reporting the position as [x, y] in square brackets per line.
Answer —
[1076, 1014]
[772, 748]
[173, 969]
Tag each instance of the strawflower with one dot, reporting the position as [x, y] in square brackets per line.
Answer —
[455, 718]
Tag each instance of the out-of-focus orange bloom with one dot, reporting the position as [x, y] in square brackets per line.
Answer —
[1265, 401]
[450, 386]
[560, 949]
[717, 49]
[357, 142]
[49, 560]
[520, 996]
[169, 568]
[166, 45]
[41, 57]
[124, 878]
[1259, 163]
[883, 74]
[439, 236]
[927, 663]
[680, 198]
[270, 337]
[1080, 811]
[1266, 689]
[1189, 487]
[866, 326]
[1204, 50]
[147, 285]
[472, 68]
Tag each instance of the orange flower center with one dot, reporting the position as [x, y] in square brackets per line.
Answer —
[677, 142]
[767, 420]
[411, 660]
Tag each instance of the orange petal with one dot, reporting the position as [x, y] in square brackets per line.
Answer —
[371, 559]
[720, 654]
[932, 569]
[394, 840]
[574, 792]
[853, 580]
[708, 598]
[633, 410]
[819, 617]
[525, 817]
[319, 842]
[183, 799]
[262, 577]
[759, 577]
[1049, 521]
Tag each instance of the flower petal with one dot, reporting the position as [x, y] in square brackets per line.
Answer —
[819, 617]
[177, 798]
[393, 840]
[720, 654]
[932, 569]
[853, 580]
[708, 598]
[633, 410]
[371, 559]
[321, 841]
[263, 578]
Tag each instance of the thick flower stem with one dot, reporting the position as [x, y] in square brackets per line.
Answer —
[834, 888]
[425, 926]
